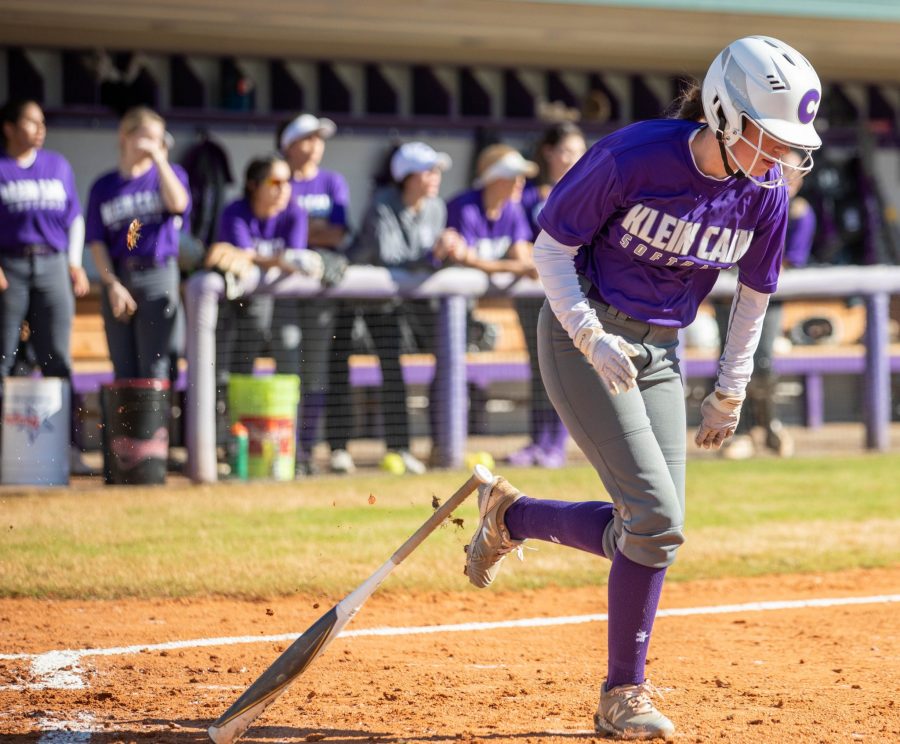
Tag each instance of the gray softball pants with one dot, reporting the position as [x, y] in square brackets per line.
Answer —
[40, 291]
[140, 346]
[634, 440]
[303, 331]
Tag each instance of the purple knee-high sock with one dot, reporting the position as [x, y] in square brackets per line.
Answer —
[577, 525]
[634, 592]
[311, 409]
[558, 437]
[540, 426]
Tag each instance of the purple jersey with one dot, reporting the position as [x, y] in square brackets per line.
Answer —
[801, 229]
[655, 231]
[38, 202]
[116, 200]
[326, 196]
[533, 202]
[268, 237]
[491, 239]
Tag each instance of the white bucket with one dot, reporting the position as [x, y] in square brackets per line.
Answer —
[36, 439]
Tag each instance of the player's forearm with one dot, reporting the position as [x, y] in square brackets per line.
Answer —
[555, 264]
[491, 267]
[174, 194]
[76, 242]
[744, 330]
[323, 234]
[103, 263]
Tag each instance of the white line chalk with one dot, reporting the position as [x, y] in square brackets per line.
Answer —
[60, 669]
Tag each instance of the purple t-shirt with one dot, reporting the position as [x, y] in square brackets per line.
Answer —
[115, 200]
[326, 196]
[37, 203]
[268, 237]
[655, 231]
[533, 202]
[491, 239]
[799, 241]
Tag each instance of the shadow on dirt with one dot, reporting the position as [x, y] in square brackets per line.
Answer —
[194, 732]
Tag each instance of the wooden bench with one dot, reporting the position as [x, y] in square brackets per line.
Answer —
[508, 362]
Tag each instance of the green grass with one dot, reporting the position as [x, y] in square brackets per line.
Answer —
[323, 537]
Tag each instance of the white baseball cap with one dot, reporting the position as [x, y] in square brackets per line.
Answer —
[502, 161]
[417, 157]
[305, 125]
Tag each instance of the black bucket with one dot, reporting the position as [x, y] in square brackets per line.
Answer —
[135, 431]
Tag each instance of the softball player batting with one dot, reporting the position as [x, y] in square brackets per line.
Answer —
[632, 240]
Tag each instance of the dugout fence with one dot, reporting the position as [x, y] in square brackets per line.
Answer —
[451, 292]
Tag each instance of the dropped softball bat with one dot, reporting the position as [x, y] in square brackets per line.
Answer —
[232, 724]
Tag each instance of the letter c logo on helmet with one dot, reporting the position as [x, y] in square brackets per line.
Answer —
[809, 106]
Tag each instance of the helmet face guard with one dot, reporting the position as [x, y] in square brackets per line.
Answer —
[762, 80]
[789, 172]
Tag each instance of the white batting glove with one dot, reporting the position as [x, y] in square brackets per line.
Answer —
[719, 414]
[609, 354]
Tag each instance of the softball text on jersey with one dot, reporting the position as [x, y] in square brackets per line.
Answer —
[38, 202]
[116, 200]
[658, 237]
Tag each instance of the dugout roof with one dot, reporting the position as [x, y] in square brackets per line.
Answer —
[845, 41]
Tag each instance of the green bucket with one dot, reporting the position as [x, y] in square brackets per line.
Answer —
[267, 406]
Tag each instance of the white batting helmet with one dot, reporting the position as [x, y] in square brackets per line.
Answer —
[771, 84]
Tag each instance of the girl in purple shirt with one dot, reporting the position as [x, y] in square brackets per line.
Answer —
[493, 230]
[324, 325]
[41, 244]
[632, 240]
[271, 230]
[490, 218]
[139, 276]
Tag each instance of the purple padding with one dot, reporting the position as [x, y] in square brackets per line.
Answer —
[799, 365]
[484, 374]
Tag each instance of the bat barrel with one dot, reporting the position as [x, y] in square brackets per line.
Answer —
[232, 724]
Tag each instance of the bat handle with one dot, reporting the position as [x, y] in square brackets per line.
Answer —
[479, 476]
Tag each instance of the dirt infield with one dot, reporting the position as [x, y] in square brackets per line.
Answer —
[801, 673]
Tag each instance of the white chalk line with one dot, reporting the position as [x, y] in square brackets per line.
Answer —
[75, 731]
[60, 669]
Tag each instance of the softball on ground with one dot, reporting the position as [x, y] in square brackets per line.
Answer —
[479, 458]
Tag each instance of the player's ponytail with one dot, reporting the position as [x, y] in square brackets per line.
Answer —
[689, 105]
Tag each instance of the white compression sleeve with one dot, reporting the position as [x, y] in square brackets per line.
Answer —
[555, 264]
[76, 241]
[744, 330]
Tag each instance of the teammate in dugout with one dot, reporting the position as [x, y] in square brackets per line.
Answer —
[141, 293]
[305, 331]
[633, 238]
[267, 228]
[41, 247]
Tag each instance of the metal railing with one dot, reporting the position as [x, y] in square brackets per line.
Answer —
[454, 287]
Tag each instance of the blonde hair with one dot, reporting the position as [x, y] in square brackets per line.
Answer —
[490, 155]
[136, 117]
